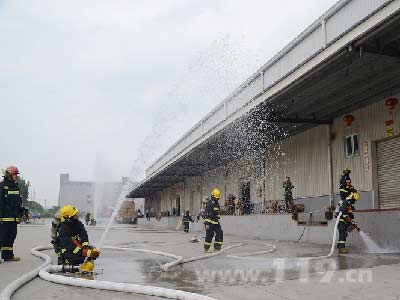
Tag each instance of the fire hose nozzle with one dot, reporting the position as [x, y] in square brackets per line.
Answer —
[70, 269]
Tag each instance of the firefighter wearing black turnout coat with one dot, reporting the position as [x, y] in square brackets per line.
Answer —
[10, 213]
[211, 222]
[187, 218]
[72, 239]
[346, 223]
[345, 183]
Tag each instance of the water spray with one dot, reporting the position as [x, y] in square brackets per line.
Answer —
[126, 188]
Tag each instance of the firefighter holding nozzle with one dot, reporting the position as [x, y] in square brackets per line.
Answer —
[72, 241]
[346, 221]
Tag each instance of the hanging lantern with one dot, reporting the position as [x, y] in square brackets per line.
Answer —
[348, 119]
[391, 103]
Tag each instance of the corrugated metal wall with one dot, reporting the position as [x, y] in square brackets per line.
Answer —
[369, 123]
[192, 194]
[304, 158]
[213, 179]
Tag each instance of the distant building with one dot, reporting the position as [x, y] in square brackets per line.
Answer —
[94, 197]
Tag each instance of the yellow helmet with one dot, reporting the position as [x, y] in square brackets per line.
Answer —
[347, 170]
[67, 212]
[216, 193]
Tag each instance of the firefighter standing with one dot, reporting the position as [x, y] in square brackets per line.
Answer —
[10, 213]
[186, 219]
[212, 224]
[288, 194]
[72, 238]
[346, 223]
[87, 218]
[345, 182]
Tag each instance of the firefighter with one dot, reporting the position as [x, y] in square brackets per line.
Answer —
[87, 218]
[73, 239]
[10, 213]
[288, 194]
[345, 182]
[346, 221]
[186, 219]
[212, 224]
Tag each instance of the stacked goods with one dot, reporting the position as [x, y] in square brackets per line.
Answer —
[127, 212]
[299, 207]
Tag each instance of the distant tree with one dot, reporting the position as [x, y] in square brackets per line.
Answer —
[51, 212]
[24, 190]
[34, 207]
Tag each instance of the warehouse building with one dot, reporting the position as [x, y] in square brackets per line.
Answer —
[327, 101]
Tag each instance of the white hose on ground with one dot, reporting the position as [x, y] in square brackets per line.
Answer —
[46, 269]
[334, 237]
[45, 273]
[119, 287]
[143, 251]
[246, 255]
[168, 266]
[179, 259]
[16, 284]
[164, 267]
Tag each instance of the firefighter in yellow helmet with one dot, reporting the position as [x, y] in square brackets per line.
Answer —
[346, 221]
[211, 222]
[345, 184]
[72, 239]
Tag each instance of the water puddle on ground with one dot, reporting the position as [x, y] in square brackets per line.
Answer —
[221, 271]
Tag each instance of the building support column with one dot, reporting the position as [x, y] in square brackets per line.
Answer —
[330, 165]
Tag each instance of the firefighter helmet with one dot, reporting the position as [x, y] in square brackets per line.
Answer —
[216, 193]
[67, 212]
[11, 170]
[347, 170]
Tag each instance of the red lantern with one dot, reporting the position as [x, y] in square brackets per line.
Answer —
[391, 103]
[348, 119]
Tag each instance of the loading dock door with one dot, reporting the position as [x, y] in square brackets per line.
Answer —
[388, 159]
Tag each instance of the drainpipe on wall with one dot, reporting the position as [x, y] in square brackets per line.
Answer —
[184, 197]
[330, 165]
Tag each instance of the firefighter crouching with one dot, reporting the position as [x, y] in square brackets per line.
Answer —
[187, 218]
[346, 221]
[212, 224]
[10, 213]
[72, 241]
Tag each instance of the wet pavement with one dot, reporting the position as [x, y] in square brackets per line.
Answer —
[222, 277]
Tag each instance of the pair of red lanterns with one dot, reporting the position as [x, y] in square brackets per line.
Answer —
[391, 103]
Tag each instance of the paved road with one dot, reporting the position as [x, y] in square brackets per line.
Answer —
[279, 275]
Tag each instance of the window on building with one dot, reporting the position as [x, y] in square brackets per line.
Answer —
[351, 145]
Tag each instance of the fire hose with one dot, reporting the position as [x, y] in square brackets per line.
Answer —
[46, 269]
[45, 272]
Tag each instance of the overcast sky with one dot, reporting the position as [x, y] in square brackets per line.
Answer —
[92, 87]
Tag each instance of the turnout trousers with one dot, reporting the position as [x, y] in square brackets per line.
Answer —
[71, 259]
[186, 226]
[342, 228]
[8, 233]
[219, 236]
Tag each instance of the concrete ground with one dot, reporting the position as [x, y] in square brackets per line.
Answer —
[284, 274]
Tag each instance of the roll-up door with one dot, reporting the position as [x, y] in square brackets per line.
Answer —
[388, 159]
